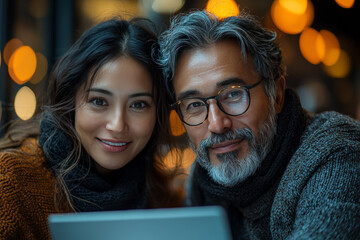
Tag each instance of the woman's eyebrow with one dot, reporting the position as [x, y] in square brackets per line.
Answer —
[140, 94]
[100, 90]
[106, 92]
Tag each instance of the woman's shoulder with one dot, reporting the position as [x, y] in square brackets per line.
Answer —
[28, 155]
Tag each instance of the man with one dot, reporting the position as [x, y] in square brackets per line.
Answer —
[278, 171]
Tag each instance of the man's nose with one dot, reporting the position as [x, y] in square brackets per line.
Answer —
[218, 121]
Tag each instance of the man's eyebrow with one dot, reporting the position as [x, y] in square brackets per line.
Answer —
[187, 94]
[231, 81]
[226, 82]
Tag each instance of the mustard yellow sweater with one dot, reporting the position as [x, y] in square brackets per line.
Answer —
[26, 193]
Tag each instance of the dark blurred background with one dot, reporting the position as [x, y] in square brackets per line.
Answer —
[319, 40]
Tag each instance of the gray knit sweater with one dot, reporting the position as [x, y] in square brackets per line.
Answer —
[318, 196]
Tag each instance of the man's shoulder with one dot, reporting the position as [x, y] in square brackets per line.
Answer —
[333, 126]
[335, 119]
[330, 137]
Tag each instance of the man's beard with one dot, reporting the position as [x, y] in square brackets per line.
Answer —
[233, 169]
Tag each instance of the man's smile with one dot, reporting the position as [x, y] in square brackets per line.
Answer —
[227, 146]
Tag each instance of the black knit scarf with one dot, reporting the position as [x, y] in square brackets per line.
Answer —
[88, 190]
[291, 123]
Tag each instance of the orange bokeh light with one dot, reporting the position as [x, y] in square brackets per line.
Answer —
[22, 64]
[10, 48]
[291, 22]
[312, 45]
[223, 8]
[345, 3]
[188, 157]
[332, 48]
[176, 125]
[342, 66]
[294, 6]
[41, 68]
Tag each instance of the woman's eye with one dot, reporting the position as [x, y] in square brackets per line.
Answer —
[139, 105]
[98, 102]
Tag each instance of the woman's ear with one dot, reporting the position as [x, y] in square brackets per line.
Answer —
[280, 85]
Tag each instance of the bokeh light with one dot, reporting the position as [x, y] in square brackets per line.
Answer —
[345, 3]
[41, 68]
[294, 6]
[223, 8]
[22, 64]
[291, 22]
[188, 157]
[332, 48]
[312, 45]
[341, 68]
[176, 125]
[10, 48]
[99, 11]
[25, 103]
[167, 6]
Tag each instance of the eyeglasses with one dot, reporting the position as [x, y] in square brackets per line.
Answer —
[233, 101]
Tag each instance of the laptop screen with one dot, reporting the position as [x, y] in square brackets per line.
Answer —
[190, 223]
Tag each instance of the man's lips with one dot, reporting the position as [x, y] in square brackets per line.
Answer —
[227, 146]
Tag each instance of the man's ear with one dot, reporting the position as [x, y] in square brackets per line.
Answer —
[280, 85]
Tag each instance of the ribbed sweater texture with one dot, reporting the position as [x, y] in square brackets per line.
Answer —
[26, 193]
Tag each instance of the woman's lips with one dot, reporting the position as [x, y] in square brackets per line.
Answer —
[113, 145]
[227, 146]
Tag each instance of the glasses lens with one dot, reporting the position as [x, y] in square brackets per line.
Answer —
[234, 100]
[193, 111]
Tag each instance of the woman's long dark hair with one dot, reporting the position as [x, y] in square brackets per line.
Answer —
[97, 46]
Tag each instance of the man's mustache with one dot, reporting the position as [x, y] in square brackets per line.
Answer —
[242, 133]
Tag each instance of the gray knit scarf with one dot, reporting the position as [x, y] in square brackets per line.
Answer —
[291, 123]
[88, 190]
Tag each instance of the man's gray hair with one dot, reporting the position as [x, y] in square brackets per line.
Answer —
[199, 29]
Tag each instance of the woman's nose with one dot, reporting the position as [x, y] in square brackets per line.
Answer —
[117, 121]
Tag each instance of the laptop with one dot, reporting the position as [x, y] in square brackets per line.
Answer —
[186, 223]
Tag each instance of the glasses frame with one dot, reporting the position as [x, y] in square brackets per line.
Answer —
[176, 105]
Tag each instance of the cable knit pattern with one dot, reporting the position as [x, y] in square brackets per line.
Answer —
[26, 193]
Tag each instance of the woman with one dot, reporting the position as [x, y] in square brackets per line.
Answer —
[97, 147]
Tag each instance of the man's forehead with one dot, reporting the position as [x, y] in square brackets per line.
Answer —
[197, 89]
[208, 69]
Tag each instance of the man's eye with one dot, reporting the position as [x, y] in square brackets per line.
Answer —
[237, 95]
[234, 94]
[194, 107]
